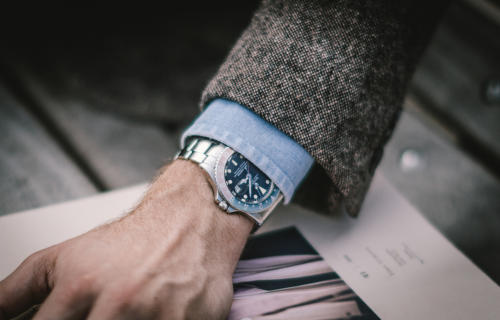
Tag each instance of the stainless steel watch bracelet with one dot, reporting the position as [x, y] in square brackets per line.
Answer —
[203, 151]
[207, 153]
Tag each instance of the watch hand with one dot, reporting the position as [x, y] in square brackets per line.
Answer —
[249, 185]
[257, 186]
[242, 181]
[261, 190]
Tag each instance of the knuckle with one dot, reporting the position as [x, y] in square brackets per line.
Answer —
[79, 288]
[141, 308]
[129, 301]
[34, 258]
[125, 295]
[40, 261]
[81, 285]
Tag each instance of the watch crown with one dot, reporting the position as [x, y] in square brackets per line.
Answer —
[223, 205]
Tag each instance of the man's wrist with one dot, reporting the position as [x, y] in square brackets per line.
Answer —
[184, 186]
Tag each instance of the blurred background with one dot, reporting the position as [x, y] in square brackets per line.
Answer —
[95, 99]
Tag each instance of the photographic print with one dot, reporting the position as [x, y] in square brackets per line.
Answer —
[281, 276]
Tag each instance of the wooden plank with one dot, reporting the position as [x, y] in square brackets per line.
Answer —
[120, 151]
[108, 92]
[461, 57]
[455, 193]
[34, 170]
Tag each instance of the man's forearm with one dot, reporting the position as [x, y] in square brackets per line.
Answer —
[173, 256]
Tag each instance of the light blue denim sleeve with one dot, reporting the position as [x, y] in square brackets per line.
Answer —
[276, 154]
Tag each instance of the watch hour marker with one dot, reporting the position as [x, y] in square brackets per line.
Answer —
[245, 196]
[229, 181]
[228, 170]
[267, 181]
[234, 162]
[262, 190]
[255, 196]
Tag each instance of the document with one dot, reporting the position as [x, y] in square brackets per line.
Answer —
[389, 263]
[281, 276]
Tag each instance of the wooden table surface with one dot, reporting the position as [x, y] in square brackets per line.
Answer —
[76, 125]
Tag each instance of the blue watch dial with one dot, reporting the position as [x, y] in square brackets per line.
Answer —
[247, 183]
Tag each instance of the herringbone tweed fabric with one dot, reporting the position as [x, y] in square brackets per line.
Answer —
[332, 75]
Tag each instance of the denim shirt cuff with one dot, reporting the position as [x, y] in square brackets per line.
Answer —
[282, 159]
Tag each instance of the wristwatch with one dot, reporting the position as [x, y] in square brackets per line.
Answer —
[240, 187]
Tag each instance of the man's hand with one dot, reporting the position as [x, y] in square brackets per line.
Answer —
[171, 258]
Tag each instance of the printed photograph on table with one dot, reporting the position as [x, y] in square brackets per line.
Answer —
[281, 276]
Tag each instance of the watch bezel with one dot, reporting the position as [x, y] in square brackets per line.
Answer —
[228, 196]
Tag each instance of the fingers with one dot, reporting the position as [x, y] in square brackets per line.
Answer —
[124, 301]
[112, 308]
[28, 285]
[64, 304]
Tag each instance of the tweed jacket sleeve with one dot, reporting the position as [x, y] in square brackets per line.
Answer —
[331, 75]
